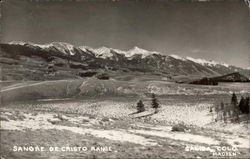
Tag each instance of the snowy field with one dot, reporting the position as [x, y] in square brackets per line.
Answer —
[141, 134]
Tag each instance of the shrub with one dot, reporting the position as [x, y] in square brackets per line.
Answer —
[179, 127]
[87, 74]
[103, 76]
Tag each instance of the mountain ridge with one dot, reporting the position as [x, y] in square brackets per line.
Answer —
[130, 52]
[64, 57]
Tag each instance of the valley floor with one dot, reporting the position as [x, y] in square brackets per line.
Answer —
[109, 129]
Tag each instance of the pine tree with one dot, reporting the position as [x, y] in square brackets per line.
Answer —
[140, 106]
[247, 105]
[234, 103]
[234, 100]
[242, 105]
[155, 103]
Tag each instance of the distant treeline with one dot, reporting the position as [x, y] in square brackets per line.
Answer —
[232, 77]
[205, 81]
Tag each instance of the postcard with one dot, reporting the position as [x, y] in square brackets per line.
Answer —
[127, 79]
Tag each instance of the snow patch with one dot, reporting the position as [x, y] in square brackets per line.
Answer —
[178, 57]
[179, 136]
[43, 121]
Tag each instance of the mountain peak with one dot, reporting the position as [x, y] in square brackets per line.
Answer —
[136, 49]
[139, 51]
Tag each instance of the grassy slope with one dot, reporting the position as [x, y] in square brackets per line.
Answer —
[92, 87]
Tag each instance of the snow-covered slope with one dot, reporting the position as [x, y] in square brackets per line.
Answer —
[178, 57]
[85, 48]
[64, 47]
[205, 62]
[102, 52]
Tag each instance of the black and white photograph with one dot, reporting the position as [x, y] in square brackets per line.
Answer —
[124, 79]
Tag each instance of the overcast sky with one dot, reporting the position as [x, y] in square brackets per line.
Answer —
[210, 30]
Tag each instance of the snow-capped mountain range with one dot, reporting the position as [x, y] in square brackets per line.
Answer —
[105, 52]
[102, 52]
[134, 59]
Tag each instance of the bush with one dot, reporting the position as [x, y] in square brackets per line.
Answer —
[103, 76]
[87, 74]
[179, 128]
